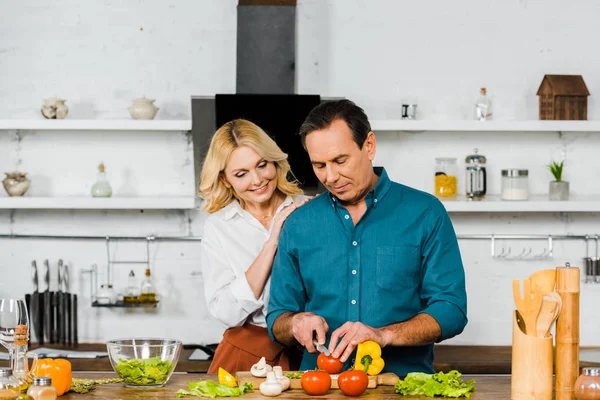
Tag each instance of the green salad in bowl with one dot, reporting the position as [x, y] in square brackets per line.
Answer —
[144, 362]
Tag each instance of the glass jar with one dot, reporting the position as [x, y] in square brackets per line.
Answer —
[475, 176]
[587, 385]
[9, 385]
[515, 184]
[42, 389]
[446, 180]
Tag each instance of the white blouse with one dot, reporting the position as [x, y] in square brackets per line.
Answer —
[231, 242]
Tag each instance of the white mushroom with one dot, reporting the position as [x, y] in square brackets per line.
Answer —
[270, 387]
[284, 380]
[261, 368]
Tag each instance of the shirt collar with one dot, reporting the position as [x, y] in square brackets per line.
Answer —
[233, 208]
[377, 193]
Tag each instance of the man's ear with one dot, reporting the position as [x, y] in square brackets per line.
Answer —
[370, 145]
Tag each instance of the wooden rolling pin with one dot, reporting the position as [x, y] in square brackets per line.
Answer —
[567, 332]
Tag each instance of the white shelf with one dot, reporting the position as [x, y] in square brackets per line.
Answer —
[485, 126]
[538, 204]
[91, 203]
[95, 125]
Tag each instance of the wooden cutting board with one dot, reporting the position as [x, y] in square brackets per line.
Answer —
[385, 379]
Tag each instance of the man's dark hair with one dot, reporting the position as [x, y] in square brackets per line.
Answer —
[323, 115]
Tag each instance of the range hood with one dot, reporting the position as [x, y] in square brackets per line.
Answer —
[265, 86]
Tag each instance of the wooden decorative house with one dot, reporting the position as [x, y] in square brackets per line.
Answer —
[563, 97]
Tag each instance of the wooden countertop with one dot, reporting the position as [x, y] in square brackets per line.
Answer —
[466, 359]
[495, 387]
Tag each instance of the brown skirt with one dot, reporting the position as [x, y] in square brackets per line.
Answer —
[243, 346]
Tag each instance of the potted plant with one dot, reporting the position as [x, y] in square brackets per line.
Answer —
[559, 189]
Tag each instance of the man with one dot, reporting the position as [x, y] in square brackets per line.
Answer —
[370, 260]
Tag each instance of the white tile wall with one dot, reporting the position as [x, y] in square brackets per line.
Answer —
[379, 53]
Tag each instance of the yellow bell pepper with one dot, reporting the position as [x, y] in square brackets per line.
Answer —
[368, 358]
[57, 369]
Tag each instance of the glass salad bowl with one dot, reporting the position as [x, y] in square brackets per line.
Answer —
[144, 362]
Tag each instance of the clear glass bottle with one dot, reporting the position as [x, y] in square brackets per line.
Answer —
[101, 188]
[42, 389]
[475, 176]
[483, 107]
[132, 292]
[515, 184]
[587, 385]
[446, 177]
[9, 385]
[22, 372]
[147, 290]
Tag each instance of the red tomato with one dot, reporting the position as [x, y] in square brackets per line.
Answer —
[316, 383]
[353, 383]
[329, 364]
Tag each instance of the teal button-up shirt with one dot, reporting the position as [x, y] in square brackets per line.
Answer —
[401, 259]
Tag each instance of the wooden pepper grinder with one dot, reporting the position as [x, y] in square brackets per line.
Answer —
[567, 332]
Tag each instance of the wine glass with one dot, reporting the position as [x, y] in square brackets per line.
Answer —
[14, 324]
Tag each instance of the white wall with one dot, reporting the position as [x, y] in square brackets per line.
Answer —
[378, 53]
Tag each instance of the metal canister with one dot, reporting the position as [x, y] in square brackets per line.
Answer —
[475, 176]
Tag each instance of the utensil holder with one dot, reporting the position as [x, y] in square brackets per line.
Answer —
[531, 377]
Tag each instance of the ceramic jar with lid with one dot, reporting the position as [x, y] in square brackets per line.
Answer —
[475, 176]
[515, 184]
[16, 183]
[143, 108]
[446, 177]
[587, 385]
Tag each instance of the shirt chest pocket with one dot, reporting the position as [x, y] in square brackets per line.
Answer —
[398, 267]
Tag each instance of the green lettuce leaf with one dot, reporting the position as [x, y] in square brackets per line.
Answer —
[439, 384]
[211, 389]
[144, 372]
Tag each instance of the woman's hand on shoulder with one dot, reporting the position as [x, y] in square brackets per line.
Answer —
[282, 216]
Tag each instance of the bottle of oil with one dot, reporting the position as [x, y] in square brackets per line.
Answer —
[148, 291]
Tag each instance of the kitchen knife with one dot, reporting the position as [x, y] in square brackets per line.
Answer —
[60, 335]
[67, 299]
[48, 318]
[74, 310]
[35, 303]
[320, 348]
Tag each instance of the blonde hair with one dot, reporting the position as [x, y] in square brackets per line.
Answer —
[226, 139]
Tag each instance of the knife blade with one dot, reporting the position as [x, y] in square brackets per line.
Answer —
[320, 348]
[67, 298]
[60, 334]
[48, 317]
[35, 314]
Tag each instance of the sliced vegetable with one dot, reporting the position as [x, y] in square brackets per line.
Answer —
[225, 378]
[439, 384]
[57, 369]
[368, 358]
[211, 389]
[294, 375]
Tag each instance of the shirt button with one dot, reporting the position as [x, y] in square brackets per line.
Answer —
[346, 216]
[353, 272]
[353, 302]
[355, 243]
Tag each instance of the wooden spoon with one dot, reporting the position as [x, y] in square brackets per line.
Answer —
[551, 306]
[529, 305]
[543, 281]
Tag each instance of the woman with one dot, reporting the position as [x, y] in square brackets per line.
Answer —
[245, 186]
